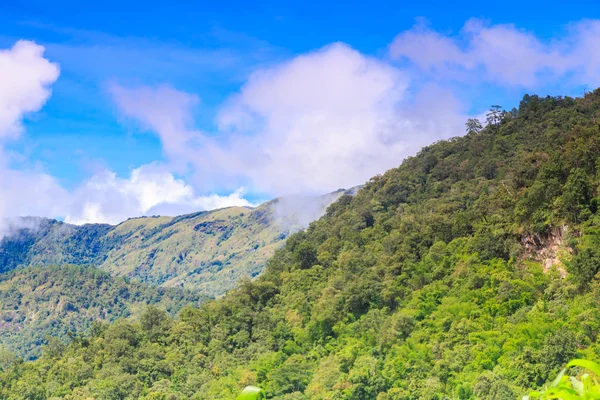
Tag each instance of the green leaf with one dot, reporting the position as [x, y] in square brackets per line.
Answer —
[557, 380]
[578, 386]
[252, 393]
[589, 365]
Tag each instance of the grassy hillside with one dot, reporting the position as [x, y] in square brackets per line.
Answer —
[468, 272]
[55, 301]
[208, 252]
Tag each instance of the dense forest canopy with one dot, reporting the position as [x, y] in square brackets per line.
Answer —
[57, 301]
[468, 272]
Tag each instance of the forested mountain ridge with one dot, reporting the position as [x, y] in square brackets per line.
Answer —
[424, 285]
[206, 251]
[58, 301]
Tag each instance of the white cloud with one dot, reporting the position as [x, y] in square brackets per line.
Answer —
[25, 84]
[582, 49]
[163, 110]
[504, 54]
[149, 190]
[320, 121]
[323, 120]
[29, 193]
[24, 88]
[26, 77]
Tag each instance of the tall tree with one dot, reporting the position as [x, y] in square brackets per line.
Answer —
[473, 125]
[495, 115]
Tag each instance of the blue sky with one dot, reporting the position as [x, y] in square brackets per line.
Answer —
[219, 104]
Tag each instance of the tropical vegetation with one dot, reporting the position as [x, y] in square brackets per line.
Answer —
[469, 272]
[56, 302]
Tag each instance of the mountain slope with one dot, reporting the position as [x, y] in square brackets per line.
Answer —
[42, 241]
[442, 278]
[206, 251]
[37, 303]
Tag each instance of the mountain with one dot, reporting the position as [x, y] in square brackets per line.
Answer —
[206, 251]
[470, 271]
[163, 261]
[56, 301]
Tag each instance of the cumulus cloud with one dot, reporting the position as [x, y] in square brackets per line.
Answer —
[148, 191]
[503, 53]
[25, 84]
[320, 121]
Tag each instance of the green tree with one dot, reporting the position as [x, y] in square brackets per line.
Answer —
[473, 126]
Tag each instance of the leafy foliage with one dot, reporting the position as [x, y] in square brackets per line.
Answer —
[571, 388]
[60, 301]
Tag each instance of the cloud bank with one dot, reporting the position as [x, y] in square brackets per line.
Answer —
[327, 119]
[148, 191]
[318, 122]
[504, 54]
